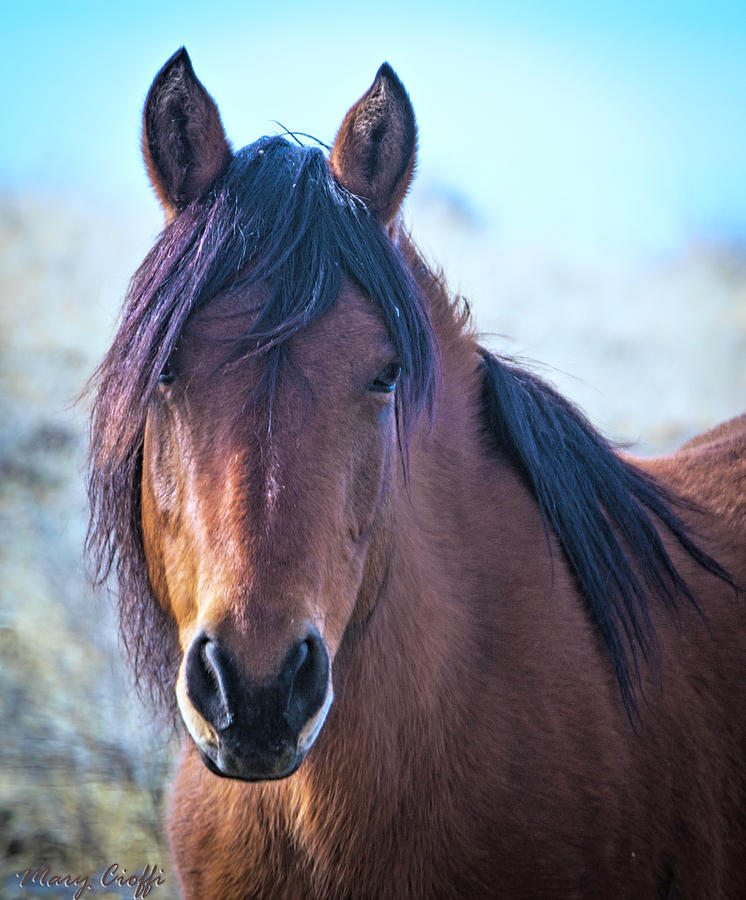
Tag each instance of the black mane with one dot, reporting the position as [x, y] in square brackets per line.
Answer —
[601, 508]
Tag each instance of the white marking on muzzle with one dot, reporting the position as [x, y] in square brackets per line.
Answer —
[202, 732]
[311, 729]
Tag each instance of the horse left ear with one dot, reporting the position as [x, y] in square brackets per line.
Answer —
[374, 152]
[183, 140]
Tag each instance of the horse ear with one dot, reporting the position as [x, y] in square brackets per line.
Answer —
[374, 152]
[183, 140]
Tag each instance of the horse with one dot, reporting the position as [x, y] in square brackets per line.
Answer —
[426, 632]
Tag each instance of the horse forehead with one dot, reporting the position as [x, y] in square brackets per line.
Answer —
[353, 329]
[331, 355]
[224, 318]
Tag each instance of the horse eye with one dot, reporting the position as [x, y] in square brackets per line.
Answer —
[386, 380]
[167, 376]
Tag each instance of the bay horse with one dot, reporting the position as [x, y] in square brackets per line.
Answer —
[428, 633]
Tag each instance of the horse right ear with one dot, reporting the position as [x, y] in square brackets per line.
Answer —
[183, 140]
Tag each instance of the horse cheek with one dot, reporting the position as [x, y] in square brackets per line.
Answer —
[369, 508]
[371, 473]
[170, 565]
[152, 525]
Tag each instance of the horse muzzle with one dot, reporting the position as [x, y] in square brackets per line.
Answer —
[255, 731]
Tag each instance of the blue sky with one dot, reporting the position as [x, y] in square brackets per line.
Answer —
[593, 123]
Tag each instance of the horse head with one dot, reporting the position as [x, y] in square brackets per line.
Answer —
[271, 440]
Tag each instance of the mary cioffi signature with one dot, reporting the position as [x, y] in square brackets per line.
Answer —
[115, 877]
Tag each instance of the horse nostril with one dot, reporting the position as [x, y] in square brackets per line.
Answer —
[257, 713]
[306, 672]
[295, 661]
[206, 677]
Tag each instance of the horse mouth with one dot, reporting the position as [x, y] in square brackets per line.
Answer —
[230, 766]
[240, 758]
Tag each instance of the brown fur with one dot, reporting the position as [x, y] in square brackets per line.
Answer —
[469, 752]
[477, 745]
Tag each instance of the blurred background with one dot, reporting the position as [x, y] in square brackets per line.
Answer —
[582, 180]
